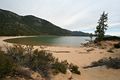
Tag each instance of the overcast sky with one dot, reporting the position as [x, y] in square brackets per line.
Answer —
[69, 14]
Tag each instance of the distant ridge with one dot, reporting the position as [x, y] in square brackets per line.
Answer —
[12, 24]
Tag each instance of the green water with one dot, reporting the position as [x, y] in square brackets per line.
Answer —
[51, 40]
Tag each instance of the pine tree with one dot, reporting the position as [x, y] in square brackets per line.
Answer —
[101, 27]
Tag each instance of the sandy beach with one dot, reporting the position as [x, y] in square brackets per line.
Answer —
[81, 56]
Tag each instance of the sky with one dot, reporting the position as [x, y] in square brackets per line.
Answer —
[75, 15]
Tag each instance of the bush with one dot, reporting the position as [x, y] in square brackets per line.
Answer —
[6, 65]
[60, 66]
[109, 63]
[74, 69]
[38, 60]
[17, 53]
[41, 62]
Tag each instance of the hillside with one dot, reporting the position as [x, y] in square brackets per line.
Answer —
[79, 33]
[12, 24]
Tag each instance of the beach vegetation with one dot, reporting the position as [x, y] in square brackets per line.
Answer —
[108, 62]
[74, 69]
[6, 65]
[40, 61]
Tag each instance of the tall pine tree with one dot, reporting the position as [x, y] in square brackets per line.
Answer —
[101, 27]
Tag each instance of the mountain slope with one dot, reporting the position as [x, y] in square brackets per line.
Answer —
[79, 33]
[12, 24]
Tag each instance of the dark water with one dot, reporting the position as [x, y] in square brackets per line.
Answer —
[51, 40]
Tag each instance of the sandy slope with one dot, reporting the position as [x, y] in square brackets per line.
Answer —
[81, 56]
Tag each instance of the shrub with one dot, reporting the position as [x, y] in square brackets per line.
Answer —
[109, 63]
[60, 66]
[74, 69]
[6, 65]
[41, 61]
[16, 52]
[37, 60]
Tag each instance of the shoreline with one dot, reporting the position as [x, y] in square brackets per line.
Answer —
[52, 41]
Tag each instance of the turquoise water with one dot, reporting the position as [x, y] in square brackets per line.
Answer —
[51, 40]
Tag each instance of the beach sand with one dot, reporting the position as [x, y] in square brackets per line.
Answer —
[81, 56]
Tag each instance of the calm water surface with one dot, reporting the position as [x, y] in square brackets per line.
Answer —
[51, 40]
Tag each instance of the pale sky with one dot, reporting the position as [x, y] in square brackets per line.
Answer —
[76, 15]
